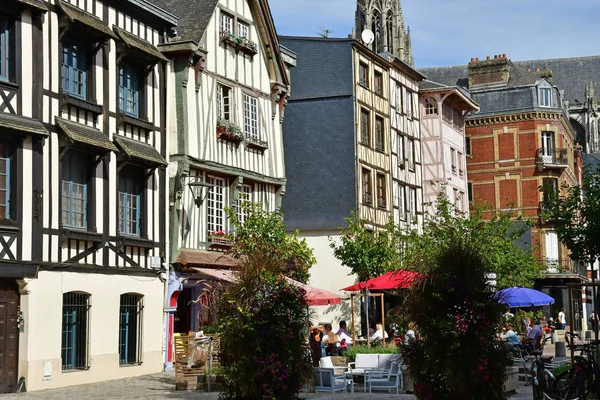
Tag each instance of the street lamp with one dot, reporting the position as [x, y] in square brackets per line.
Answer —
[199, 191]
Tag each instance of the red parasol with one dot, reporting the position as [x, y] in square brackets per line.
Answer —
[400, 279]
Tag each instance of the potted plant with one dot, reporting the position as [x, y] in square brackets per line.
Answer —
[227, 130]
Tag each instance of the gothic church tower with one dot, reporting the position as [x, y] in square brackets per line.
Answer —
[384, 18]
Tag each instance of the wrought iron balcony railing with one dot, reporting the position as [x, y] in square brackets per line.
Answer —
[552, 157]
[563, 266]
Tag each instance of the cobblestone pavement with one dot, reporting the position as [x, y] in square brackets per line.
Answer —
[162, 386]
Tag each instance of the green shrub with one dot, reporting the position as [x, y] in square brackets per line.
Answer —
[352, 351]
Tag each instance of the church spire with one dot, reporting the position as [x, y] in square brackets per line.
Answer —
[384, 18]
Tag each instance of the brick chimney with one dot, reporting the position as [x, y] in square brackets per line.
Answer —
[546, 74]
[491, 71]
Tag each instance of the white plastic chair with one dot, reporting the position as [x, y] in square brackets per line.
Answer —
[391, 379]
[327, 381]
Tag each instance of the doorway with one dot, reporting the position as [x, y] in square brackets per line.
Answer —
[9, 335]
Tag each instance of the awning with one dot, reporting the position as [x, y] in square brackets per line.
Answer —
[392, 280]
[140, 46]
[77, 15]
[138, 151]
[22, 124]
[314, 296]
[85, 135]
[35, 4]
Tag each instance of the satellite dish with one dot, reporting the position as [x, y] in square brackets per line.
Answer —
[367, 36]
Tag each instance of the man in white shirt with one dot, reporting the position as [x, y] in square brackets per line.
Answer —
[562, 322]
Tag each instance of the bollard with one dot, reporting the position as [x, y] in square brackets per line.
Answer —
[554, 337]
[559, 349]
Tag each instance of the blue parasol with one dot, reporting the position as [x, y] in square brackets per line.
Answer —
[523, 297]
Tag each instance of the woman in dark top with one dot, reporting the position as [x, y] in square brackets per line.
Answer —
[316, 338]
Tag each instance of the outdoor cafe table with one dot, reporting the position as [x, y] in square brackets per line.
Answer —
[360, 372]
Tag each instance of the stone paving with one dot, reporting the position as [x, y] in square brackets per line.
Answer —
[162, 386]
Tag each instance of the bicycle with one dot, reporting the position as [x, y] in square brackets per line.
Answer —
[582, 378]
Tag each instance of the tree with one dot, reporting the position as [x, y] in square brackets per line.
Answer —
[368, 253]
[265, 230]
[494, 239]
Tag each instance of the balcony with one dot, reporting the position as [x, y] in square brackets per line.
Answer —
[553, 267]
[551, 158]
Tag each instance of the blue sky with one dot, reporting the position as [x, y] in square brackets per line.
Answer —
[450, 32]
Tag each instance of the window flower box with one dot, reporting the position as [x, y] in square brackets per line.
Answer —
[239, 43]
[220, 240]
[228, 131]
[255, 143]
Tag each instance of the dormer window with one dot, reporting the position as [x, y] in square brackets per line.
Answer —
[545, 95]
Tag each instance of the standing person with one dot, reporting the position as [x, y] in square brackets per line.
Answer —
[562, 322]
[507, 314]
[594, 320]
[316, 336]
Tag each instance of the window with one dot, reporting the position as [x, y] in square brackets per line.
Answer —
[456, 199]
[216, 204]
[410, 154]
[409, 104]
[401, 155]
[412, 204]
[468, 146]
[5, 47]
[366, 186]
[245, 195]
[225, 23]
[378, 83]
[453, 160]
[74, 190]
[470, 192]
[130, 205]
[552, 251]
[74, 346]
[365, 134]
[550, 190]
[7, 174]
[431, 106]
[381, 203]
[363, 75]
[242, 30]
[223, 102]
[129, 90]
[402, 201]
[459, 157]
[399, 104]
[447, 112]
[130, 329]
[379, 135]
[251, 116]
[74, 68]
[545, 97]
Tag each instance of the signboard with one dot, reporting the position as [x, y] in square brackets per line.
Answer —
[154, 262]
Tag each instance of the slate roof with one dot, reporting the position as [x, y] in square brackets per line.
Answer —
[39, 4]
[593, 160]
[140, 45]
[568, 74]
[23, 124]
[194, 16]
[139, 151]
[75, 14]
[85, 135]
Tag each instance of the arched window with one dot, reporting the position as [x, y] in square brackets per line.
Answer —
[431, 106]
[75, 324]
[389, 26]
[376, 28]
[130, 328]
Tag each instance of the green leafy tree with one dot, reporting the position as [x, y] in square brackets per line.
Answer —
[265, 230]
[494, 237]
[576, 216]
[368, 253]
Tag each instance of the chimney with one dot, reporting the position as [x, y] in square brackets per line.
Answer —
[546, 74]
[490, 71]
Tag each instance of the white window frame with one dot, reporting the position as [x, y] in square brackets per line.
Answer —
[453, 160]
[410, 154]
[251, 116]
[459, 159]
[412, 203]
[545, 97]
[399, 104]
[431, 107]
[401, 193]
[225, 23]
[401, 150]
[216, 200]
[244, 195]
[224, 102]
[243, 29]
[409, 104]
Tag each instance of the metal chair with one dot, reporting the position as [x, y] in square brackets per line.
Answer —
[391, 379]
[327, 381]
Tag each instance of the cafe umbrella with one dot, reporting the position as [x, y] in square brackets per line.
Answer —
[523, 297]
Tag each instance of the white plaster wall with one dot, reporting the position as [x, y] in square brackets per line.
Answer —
[42, 311]
[329, 274]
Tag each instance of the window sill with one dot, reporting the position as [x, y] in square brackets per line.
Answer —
[364, 86]
[128, 365]
[9, 85]
[257, 144]
[382, 151]
[8, 225]
[72, 370]
[68, 99]
[134, 241]
[123, 118]
[68, 233]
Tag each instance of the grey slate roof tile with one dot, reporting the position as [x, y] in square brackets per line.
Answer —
[139, 151]
[75, 14]
[138, 44]
[85, 135]
[194, 16]
[23, 124]
[39, 4]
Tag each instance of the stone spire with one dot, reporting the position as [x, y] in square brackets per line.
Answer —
[384, 18]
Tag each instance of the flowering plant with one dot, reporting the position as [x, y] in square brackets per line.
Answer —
[222, 234]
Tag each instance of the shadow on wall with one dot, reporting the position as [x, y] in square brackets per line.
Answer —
[333, 314]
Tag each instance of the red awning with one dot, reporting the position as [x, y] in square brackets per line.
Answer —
[400, 279]
[314, 296]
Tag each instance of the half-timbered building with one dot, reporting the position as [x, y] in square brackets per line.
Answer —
[230, 83]
[82, 190]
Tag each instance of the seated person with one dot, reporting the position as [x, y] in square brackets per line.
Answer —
[343, 334]
[379, 334]
[331, 340]
[410, 333]
[533, 340]
[551, 325]
[509, 335]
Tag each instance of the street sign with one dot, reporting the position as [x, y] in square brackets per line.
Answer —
[154, 262]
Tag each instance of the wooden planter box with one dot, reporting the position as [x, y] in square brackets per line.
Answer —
[242, 46]
[257, 144]
[223, 134]
[219, 242]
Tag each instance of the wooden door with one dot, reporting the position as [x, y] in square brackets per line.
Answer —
[9, 335]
